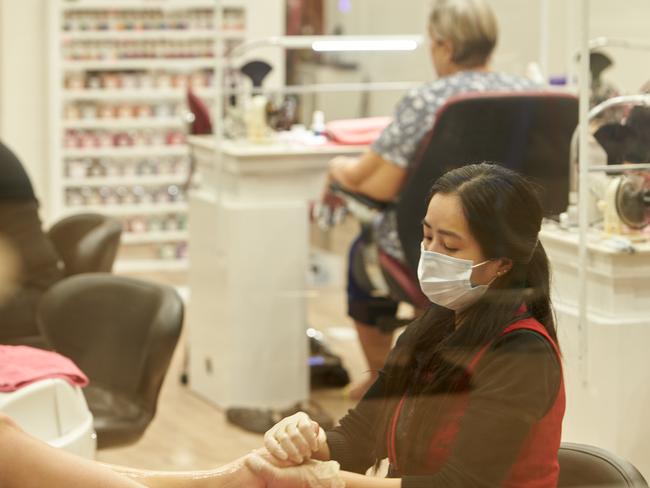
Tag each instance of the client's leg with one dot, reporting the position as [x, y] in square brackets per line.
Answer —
[26, 462]
[368, 312]
[376, 345]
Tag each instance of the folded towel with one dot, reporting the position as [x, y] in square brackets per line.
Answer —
[356, 131]
[22, 365]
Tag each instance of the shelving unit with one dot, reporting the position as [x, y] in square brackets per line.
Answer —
[119, 76]
[140, 209]
[136, 180]
[134, 238]
[132, 94]
[125, 152]
[125, 123]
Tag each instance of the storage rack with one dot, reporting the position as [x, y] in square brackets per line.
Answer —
[119, 71]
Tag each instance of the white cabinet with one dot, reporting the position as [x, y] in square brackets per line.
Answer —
[606, 367]
[247, 316]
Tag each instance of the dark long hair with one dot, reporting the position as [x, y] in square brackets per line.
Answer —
[504, 215]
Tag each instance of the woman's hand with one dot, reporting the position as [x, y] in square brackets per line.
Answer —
[314, 474]
[295, 438]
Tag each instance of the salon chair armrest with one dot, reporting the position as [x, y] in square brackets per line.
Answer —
[358, 198]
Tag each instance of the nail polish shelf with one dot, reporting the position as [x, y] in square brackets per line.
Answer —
[149, 265]
[126, 152]
[124, 123]
[141, 63]
[148, 237]
[120, 70]
[135, 209]
[135, 94]
[119, 180]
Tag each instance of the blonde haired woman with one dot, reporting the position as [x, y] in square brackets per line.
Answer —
[463, 35]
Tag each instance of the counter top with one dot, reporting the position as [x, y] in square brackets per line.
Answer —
[597, 241]
[244, 148]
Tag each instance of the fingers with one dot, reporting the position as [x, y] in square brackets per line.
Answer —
[308, 433]
[274, 447]
[305, 434]
[281, 445]
[300, 441]
[260, 467]
[321, 438]
[293, 439]
[288, 442]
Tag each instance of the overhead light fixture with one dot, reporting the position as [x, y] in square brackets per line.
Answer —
[380, 44]
[335, 43]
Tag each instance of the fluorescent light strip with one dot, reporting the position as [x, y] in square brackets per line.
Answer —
[365, 45]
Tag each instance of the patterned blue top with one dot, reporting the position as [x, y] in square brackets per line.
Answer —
[414, 117]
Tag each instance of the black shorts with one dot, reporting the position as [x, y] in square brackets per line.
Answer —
[363, 305]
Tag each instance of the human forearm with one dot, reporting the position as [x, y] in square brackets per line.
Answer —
[232, 475]
[344, 171]
[355, 480]
[353, 442]
[370, 175]
[28, 463]
[351, 173]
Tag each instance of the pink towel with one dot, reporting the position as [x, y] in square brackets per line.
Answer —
[22, 365]
[356, 131]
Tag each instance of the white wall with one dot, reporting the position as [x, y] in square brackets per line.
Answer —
[627, 19]
[23, 86]
[519, 41]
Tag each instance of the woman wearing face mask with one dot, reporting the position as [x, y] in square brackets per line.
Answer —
[473, 393]
[462, 37]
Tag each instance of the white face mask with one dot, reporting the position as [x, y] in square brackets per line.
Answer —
[445, 280]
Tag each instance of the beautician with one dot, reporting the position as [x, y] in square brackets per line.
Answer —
[473, 392]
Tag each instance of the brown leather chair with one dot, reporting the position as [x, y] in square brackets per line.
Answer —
[87, 243]
[588, 467]
[122, 333]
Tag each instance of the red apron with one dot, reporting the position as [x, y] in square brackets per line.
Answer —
[537, 464]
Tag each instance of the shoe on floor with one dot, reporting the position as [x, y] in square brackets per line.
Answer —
[260, 420]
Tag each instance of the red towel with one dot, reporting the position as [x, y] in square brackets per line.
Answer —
[356, 131]
[22, 365]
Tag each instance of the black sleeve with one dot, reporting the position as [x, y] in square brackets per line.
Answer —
[515, 384]
[352, 442]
